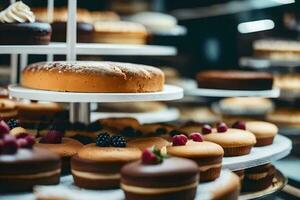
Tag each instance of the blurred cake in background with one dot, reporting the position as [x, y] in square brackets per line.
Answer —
[288, 82]
[136, 107]
[200, 114]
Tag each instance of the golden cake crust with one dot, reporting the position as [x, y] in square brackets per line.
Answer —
[88, 76]
[148, 142]
[262, 129]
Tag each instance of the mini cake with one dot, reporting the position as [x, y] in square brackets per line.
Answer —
[156, 177]
[8, 109]
[119, 32]
[235, 80]
[64, 147]
[200, 114]
[156, 129]
[285, 117]
[288, 83]
[18, 26]
[22, 166]
[277, 49]
[258, 178]
[235, 142]
[83, 76]
[207, 155]
[263, 131]
[97, 166]
[147, 142]
[132, 107]
[246, 106]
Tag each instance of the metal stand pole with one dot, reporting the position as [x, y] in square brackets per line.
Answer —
[84, 115]
[74, 112]
[14, 68]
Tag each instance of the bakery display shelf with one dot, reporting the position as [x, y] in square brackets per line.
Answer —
[289, 94]
[269, 64]
[203, 92]
[280, 148]
[166, 115]
[170, 92]
[278, 184]
[91, 49]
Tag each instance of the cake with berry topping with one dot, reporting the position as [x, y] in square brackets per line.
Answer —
[158, 177]
[23, 166]
[235, 141]
[235, 80]
[88, 76]
[18, 26]
[64, 147]
[207, 155]
[98, 165]
[8, 109]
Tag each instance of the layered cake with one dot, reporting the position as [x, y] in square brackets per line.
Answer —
[235, 80]
[258, 178]
[207, 155]
[277, 49]
[98, 166]
[83, 76]
[264, 132]
[235, 141]
[8, 109]
[18, 26]
[65, 148]
[156, 177]
[23, 166]
[119, 32]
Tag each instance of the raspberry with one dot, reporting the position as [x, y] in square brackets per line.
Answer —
[222, 127]
[206, 129]
[197, 137]
[148, 157]
[22, 142]
[4, 128]
[179, 140]
[103, 140]
[10, 145]
[118, 141]
[52, 137]
[239, 125]
[30, 141]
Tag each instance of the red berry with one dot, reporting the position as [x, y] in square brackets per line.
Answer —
[148, 157]
[179, 140]
[222, 127]
[4, 128]
[52, 137]
[22, 142]
[239, 125]
[30, 141]
[10, 144]
[197, 137]
[22, 135]
[206, 129]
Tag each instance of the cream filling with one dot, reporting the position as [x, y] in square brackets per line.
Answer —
[17, 12]
[32, 176]
[95, 176]
[257, 176]
[143, 190]
[207, 167]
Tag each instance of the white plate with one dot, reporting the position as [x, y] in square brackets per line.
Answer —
[169, 93]
[165, 115]
[280, 148]
[274, 93]
[264, 63]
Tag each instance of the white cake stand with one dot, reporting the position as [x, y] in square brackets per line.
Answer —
[203, 92]
[81, 101]
[280, 148]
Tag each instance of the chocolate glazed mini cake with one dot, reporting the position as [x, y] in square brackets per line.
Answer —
[18, 26]
[158, 178]
[98, 166]
[235, 80]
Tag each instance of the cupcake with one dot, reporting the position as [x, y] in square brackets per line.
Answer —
[62, 146]
[23, 166]
[264, 132]
[235, 142]
[8, 109]
[156, 177]
[258, 178]
[98, 166]
[207, 155]
[145, 143]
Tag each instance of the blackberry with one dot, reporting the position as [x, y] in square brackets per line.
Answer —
[174, 132]
[94, 126]
[103, 140]
[129, 132]
[118, 141]
[160, 131]
[83, 139]
[13, 123]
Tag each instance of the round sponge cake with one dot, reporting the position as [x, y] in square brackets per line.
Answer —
[87, 76]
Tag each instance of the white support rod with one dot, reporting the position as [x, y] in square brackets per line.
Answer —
[50, 57]
[23, 61]
[71, 30]
[84, 115]
[50, 10]
[14, 68]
